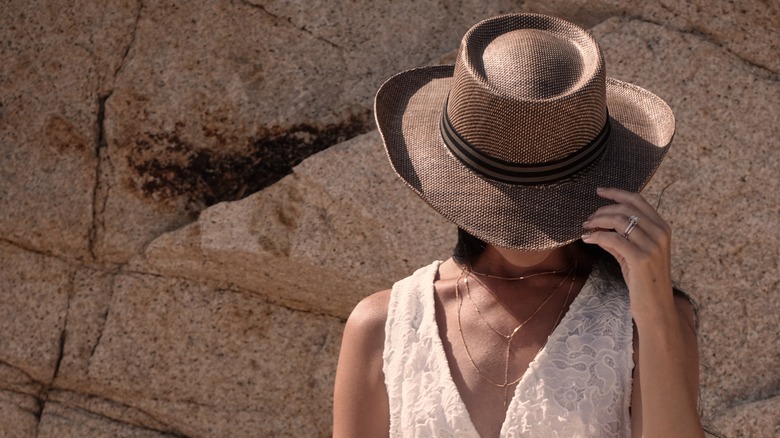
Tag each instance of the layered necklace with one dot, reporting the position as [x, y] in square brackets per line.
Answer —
[467, 272]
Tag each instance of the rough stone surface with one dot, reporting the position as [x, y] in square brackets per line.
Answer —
[749, 29]
[60, 420]
[125, 124]
[162, 335]
[34, 292]
[347, 230]
[759, 419]
[88, 309]
[98, 413]
[18, 415]
[20, 402]
[198, 115]
[57, 60]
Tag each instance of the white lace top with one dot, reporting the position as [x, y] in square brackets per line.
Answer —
[579, 384]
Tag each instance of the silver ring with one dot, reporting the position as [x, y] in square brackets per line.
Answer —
[632, 221]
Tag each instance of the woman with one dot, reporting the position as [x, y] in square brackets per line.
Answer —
[531, 329]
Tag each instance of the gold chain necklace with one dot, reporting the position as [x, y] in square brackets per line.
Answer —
[521, 324]
[522, 277]
[508, 338]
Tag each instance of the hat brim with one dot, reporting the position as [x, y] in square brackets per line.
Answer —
[408, 109]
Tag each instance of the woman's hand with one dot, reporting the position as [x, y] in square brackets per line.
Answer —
[644, 254]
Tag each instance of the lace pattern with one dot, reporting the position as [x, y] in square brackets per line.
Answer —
[579, 385]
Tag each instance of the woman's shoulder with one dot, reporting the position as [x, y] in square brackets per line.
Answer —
[370, 314]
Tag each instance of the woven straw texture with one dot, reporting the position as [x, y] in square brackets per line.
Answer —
[525, 89]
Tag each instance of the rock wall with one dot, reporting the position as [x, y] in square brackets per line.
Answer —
[161, 278]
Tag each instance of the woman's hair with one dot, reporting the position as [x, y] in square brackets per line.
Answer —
[468, 248]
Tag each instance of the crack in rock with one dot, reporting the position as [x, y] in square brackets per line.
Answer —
[21, 370]
[766, 72]
[103, 318]
[98, 201]
[101, 187]
[289, 21]
[61, 346]
[43, 397]
[160, 426]
[23, 247]
[130, 44]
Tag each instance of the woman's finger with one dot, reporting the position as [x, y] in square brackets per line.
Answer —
[615, 244]
[624, 210]
[633, 199]
[619, 222]
[633, 204]
[637, 235]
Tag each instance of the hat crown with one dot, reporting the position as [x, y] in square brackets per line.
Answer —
[528, 89]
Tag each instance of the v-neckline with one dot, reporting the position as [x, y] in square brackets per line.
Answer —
[441, 355]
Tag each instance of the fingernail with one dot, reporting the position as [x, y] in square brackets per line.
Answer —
[599, 189]
[587, 234]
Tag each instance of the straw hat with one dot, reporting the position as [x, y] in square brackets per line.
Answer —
[511, 142]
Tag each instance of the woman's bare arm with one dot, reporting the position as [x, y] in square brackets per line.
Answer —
[360, 406]
[678, 355]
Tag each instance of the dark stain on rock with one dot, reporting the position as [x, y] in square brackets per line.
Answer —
[168, 168]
